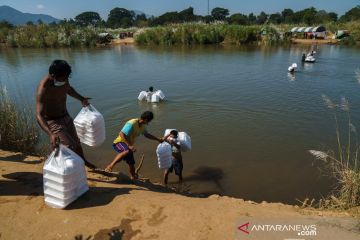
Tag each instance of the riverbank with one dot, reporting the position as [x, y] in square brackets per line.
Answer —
[315, 41]
[115, 207]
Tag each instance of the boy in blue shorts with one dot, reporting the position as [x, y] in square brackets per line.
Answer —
[124, 143]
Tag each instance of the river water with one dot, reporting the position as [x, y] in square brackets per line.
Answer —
[251, 123]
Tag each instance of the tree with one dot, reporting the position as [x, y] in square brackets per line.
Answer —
[309, 16]
[219, 13]
[351, 15]
[187, 15]
[261, 19]
[166, 18]
[252, 18]
[333, 16]
[238, 18]
[286, 15]
[323, 17]
[88, 18]
[120, 17]
[141, 21]
[275, 18]
[6, 24]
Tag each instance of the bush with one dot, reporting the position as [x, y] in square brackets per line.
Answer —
[187, 34]
[18, 127]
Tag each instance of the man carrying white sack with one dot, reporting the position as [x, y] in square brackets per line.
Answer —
[51, 111]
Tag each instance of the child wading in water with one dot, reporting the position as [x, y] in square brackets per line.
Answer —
[177, 164]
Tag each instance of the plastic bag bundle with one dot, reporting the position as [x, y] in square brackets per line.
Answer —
[185, 141]
[90, 126]
[64, 177]
[164, 155]
[142, 96]
[154, 97]
[160, 94]
[184, 138]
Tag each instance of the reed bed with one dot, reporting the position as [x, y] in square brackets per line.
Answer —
[18, 128]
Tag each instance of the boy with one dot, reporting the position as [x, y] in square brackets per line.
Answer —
[177, 164]
[124, 143]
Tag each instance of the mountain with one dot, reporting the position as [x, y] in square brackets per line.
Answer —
[16, 17]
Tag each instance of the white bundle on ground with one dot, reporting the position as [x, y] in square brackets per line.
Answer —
[164, 155]
[153, 97]
[90, 126]
[184, 138]
[64, 177]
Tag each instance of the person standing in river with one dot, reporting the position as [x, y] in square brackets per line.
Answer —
[51, 111]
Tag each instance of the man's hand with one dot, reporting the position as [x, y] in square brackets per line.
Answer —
[54, 141]
[85, 101]
[132, 148]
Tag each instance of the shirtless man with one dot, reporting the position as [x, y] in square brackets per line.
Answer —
[51, 112]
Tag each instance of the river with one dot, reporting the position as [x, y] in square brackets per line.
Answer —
[251, 123]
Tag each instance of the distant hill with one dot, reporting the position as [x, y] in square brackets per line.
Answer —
[16, 17]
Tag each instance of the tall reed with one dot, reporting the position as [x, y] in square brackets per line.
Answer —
[342, 163]
[18, 129]
[199, 33]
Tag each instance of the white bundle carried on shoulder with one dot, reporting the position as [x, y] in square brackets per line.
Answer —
[184, 138]
[90, 126]
[152, 97]
[164, 155]
[64, 177]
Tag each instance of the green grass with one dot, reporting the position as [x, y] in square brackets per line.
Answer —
[201, 34]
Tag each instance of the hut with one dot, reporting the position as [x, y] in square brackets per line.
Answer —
[319, 32]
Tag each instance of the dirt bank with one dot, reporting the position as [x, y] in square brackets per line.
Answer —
[115, 209]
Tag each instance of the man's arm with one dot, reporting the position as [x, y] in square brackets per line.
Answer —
[40, 114]
[124, 137]
[175, 144]
[152, 137]
[73, 93]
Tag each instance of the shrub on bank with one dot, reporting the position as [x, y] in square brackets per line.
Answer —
[187, 34]
[18, 130]
[43, 36]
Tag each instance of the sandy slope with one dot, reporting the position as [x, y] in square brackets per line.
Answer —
[115, 209]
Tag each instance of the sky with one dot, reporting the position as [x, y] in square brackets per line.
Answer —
[70, 8]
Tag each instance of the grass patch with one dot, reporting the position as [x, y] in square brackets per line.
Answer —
[18, 128]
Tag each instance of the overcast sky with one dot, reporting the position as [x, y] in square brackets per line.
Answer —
[70, 8]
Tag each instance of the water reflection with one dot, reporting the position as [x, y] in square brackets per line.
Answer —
[291, 77]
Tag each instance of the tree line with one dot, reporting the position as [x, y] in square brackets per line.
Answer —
[124, 18]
